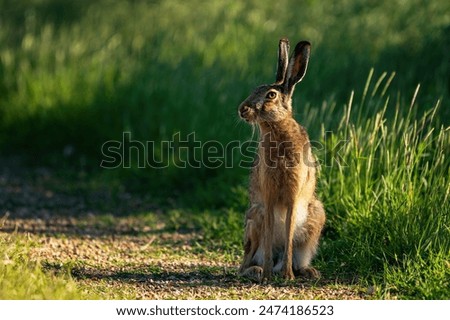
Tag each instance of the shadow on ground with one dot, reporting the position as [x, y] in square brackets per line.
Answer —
[214, 282]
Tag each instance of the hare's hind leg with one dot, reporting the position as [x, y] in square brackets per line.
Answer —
[254, 273]
[307, 247]
[250, 246]
[252, 240]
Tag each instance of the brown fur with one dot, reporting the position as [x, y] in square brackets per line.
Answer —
[285, 218]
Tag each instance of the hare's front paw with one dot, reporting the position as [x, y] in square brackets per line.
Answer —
[308, 272]
[287, 274]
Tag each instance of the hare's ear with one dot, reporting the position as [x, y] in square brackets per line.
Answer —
[297, 66]
[283, 60]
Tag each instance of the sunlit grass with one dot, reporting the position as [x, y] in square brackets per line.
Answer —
[21, 278]
[388, 195]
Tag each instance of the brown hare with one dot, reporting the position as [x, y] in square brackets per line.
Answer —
[285, 219]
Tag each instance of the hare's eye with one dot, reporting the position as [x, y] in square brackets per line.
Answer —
[271, 95]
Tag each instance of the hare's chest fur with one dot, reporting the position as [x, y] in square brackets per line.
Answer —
[283, 173]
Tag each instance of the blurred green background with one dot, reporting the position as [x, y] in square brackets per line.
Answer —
[79, 73]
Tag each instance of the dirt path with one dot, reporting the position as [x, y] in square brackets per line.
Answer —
[116, 254]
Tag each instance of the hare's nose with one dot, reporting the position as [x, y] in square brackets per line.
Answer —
[243, 110]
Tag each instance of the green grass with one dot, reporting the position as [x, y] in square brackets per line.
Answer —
[388, 207]
[21, 278]
[81, 73]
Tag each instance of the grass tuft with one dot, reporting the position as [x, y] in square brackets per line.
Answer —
[21, 278]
